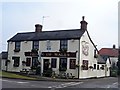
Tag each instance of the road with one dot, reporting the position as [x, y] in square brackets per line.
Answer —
[109, 82]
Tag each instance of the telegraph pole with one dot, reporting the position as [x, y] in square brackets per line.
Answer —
[43, 19]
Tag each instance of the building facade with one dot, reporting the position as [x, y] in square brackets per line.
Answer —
[111, 53]
[71, 51]
[4, 60]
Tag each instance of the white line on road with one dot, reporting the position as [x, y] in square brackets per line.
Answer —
[13, 81]
[114, 85]
[65, 85]
[22, 82]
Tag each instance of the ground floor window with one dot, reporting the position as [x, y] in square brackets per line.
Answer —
[53, 62]
[16, 61]
[85, 65]
[63, 64]
[35, 62]
[94, 66]
[97, 67]
[28, 61]
[72, 63]
[46, 64]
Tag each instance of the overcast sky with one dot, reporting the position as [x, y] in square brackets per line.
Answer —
[101, 15]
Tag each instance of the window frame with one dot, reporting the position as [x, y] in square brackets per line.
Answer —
[53, 62]
[35, 45]
[17, 46]
[94, 66]
[85, 64]
[62, 66]
[48, 45]
[16, 61]
[70, 64]
[63, 44]
[98, 67]
[28, 58]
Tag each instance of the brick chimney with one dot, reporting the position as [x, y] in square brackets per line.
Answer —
[38, 28]
[83, 23]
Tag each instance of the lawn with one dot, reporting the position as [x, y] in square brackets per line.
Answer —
[12, 75]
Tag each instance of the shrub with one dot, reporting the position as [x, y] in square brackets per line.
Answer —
[48, 72]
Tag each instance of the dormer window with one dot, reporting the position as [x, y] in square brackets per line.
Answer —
[17, 46]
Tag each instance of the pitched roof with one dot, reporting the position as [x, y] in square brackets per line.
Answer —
[4, 55]
[109, 52]
[48, 35]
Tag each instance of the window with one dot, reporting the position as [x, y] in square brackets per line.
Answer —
[97, 67]
[16, 61]
[72, 63]
[63, 44]
[53, 62]
[6, 63]
[102, 67]
[35, 62]
[95, 55]
[28, 61]
[63, 64]
[35, 44]
[85, 65]
[17, 46]
[94, 66]
[48, 45]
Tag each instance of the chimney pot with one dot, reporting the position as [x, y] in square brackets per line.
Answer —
[83, 23]
[114, 46]
[38, 28]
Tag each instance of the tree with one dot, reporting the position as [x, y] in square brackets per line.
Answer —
[118, 63]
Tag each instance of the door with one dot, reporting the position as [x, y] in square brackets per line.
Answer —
[35, 62]
[45, 64]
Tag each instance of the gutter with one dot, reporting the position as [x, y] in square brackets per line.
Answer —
[92, 41]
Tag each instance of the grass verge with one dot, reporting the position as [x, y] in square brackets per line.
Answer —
[12, 75]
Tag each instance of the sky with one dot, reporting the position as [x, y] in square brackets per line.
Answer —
[101, 15]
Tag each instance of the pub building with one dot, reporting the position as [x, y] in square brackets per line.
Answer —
[71, 51]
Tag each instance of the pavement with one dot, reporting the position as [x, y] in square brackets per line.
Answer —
[41, 78]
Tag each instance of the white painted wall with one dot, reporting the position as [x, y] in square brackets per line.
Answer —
[27, 46]
[73, 46]
[113, 60]
[3, 67]
[91, 60]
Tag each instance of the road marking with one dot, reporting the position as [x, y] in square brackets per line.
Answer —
[65, 85]
[113, 85]
[13, 81]
[22, 82]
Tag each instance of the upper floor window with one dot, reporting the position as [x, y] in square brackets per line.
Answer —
[63, 44]
[16, 61]
[48, 45]
[35, 44]
[17, 46]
